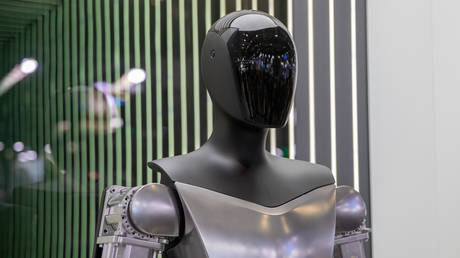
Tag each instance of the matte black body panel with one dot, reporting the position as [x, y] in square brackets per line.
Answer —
[270, 183]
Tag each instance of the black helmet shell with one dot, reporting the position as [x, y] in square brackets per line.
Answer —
[248, 65]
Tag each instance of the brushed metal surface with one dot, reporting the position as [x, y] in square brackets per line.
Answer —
[153, 210]
[221, 226]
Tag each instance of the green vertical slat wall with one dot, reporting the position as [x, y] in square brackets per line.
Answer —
[40, 134]
[52, 142]
[60, 118]
[127, 104]
[68, 133]
[148, 86]
[92, 141]
[84, 102]
[60, 115]
[108, 78]
[138, 102]
[75, 178]
[47, 114]
[117, 74]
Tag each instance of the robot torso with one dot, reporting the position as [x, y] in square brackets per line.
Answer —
[220, 226]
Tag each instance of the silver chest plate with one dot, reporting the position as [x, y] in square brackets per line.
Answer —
[221, 226]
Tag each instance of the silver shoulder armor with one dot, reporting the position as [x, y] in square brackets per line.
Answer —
[350, 230]
[136, 222]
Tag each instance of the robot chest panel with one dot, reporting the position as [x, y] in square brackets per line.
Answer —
[220, 226]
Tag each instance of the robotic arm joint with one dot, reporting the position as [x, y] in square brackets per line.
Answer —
[137, 222]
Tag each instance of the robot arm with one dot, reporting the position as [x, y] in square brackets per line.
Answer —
[136, 222]
[350, 229]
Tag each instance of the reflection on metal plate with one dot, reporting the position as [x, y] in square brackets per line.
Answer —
[223, 226]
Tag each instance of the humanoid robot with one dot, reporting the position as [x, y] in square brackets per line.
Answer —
[232, 198]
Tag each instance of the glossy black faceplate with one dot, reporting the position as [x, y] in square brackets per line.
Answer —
[264, 62]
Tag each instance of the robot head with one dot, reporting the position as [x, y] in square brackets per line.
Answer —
[248, 65]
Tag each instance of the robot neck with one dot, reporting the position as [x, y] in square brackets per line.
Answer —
[236, 139]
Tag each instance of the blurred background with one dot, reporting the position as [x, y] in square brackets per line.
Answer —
[91, 90]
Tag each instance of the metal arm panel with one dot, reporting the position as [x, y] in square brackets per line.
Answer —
[136, 222]
[350, 230]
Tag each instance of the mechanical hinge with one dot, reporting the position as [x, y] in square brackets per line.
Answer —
[119, 236]
[351, 244]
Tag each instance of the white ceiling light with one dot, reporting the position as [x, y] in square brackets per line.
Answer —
[28, 65]
[136, 75]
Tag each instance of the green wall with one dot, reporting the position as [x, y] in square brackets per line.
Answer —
[49, 202]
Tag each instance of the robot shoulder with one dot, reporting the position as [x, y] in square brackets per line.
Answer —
[137, 219]
[175, 168]
[350, 210]
[351, 232]
[308, 175]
